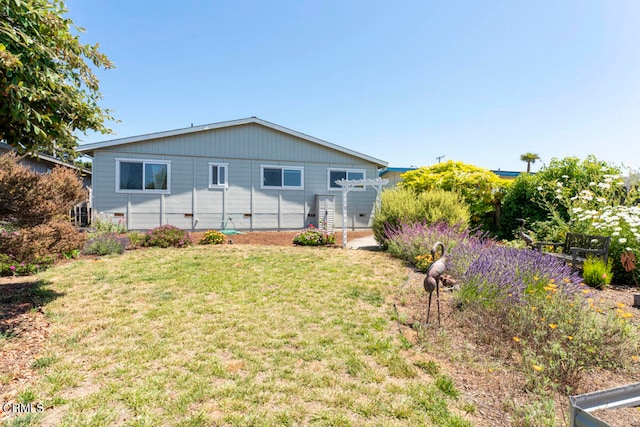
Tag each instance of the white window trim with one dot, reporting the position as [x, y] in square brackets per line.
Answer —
[329, 170]
[143, 161]
[226, 175]
[283, 168]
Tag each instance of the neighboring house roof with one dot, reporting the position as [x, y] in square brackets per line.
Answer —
[500, 173]
[48, 161]
[90, 148]
[391, 170]
[506, 174]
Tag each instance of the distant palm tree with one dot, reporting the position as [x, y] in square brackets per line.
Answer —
[529, 158]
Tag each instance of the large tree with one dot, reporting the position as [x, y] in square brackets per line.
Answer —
[48, 89]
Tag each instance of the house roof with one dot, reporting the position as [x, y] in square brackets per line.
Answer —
[45, 158]
[506, 174]
[500, 173]
[90, 148]
[390, 170]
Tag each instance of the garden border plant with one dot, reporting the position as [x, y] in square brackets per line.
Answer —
[312, 236]
[168, 235]
[212, 237]
[525, 301]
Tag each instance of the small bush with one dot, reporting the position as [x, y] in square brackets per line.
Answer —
[136, 239]
[72, 254]
[403, 206]
[33, 243]
[423, 262]
[312, 236]
[105, 244]
[212, 237]
[596, 273]
[10, 267]
[29, 198]
[168, 236]
[102, 225]
[561, 337]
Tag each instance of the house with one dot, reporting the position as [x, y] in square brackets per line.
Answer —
[247, 174]
[44, 163]
[393, 175]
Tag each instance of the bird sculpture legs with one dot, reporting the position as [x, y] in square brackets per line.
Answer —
[432, 281]
[431, 284]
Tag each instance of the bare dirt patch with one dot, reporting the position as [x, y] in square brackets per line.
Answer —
[24, 331]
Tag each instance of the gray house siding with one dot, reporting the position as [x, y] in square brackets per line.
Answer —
[190, 203]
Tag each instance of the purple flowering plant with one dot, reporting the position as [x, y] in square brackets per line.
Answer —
[413, 242]
[501, 274]
[168, 236]
[10, 267]
[525, 301]
[105, 244]
[487, 271]
[312, 236]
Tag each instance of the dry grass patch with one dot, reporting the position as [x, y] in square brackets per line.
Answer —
[234, 335]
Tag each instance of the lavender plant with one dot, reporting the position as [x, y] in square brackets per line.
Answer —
[501, 275]
[105, 244]
[413, 241]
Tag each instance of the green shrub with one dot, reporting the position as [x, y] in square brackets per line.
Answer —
[105, 244]
[519, 202]
[596, 273]
[72, 254]
[404, 206]
[105, 225]
[136, 239]
[168, 235]
[10, 267]
[561, 338]
[312, 236]
[212, 237]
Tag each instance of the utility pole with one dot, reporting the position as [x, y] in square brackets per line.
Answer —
[439, 158]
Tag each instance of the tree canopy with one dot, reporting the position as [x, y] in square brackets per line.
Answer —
[529, 158]
[47, 84]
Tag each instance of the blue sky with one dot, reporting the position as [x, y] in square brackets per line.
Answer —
[403, 81]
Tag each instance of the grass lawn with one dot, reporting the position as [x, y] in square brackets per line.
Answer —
[234, 335]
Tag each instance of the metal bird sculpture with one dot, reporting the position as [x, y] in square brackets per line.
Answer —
[527, 239]
[433, 280]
